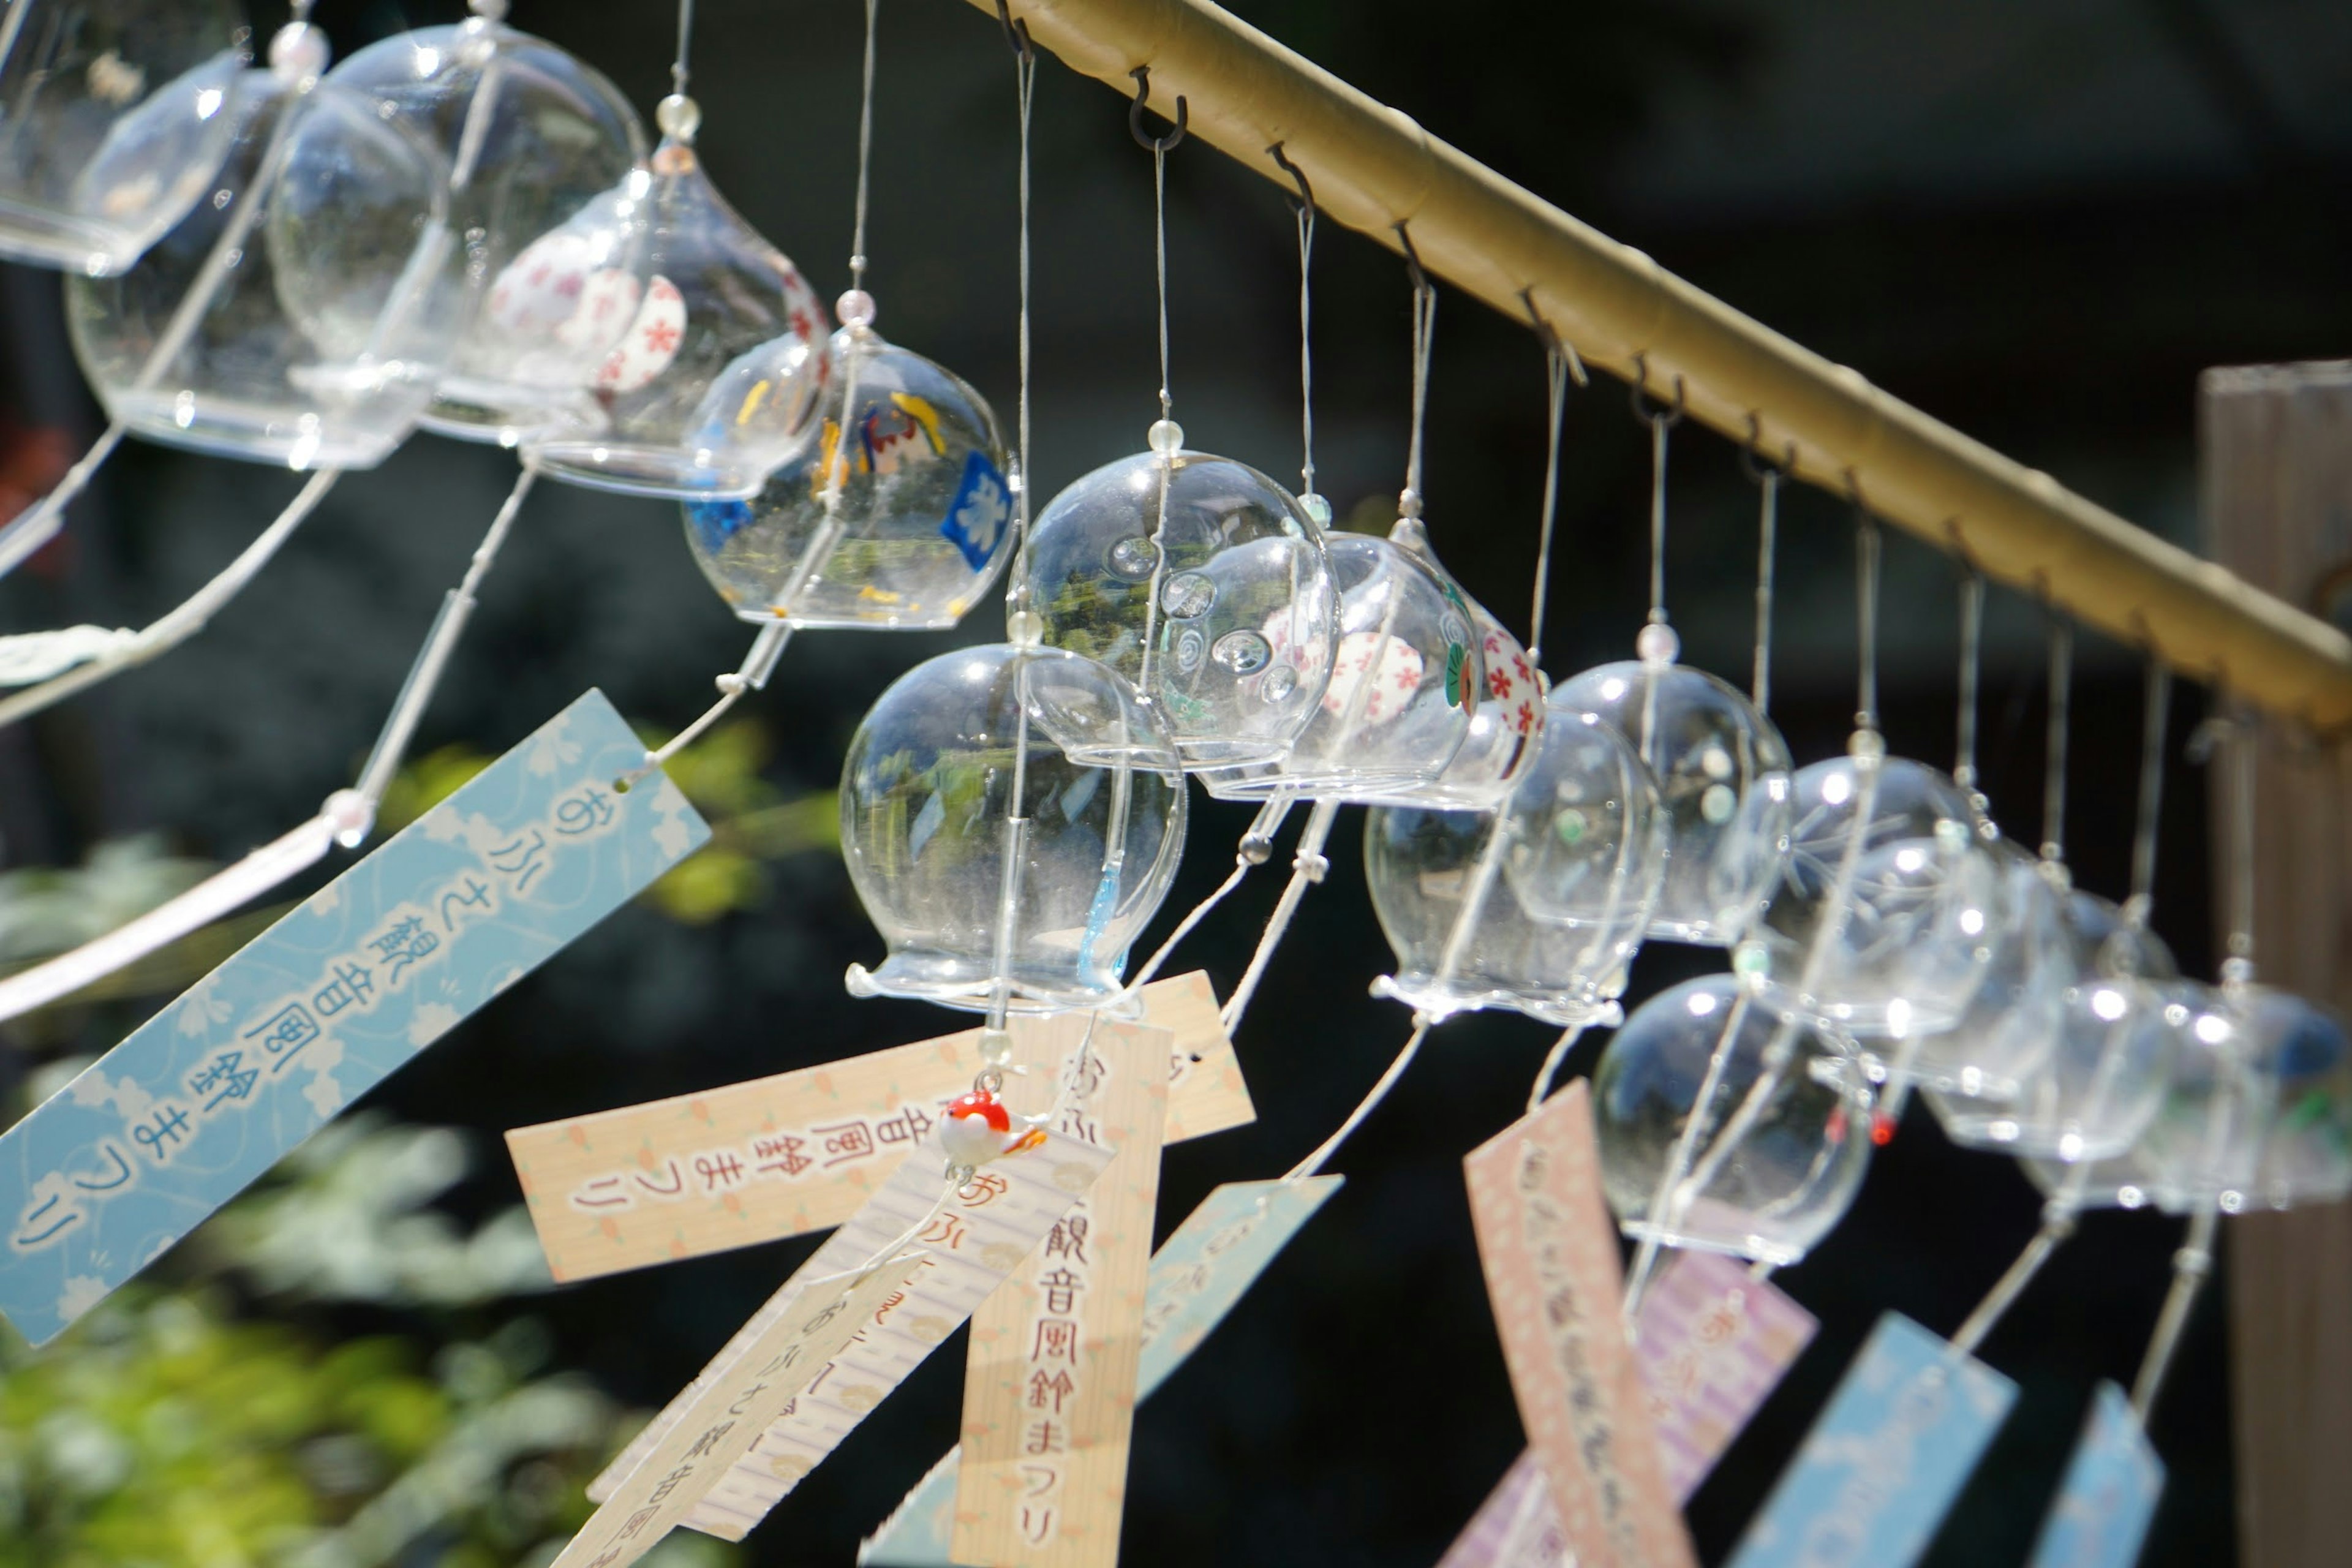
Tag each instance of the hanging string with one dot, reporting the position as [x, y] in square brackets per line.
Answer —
[865, 148]
[1315, 1162]
[1767, 528]
[1024, 83]
[2054, 777]
[1307, 868]
[1425, 331]
[2155, 717]
[677, 71]
[2244, 736]
[1557, 358]
[1866, 547]
[1660, 422]
[1972, 599]
[1302, 210]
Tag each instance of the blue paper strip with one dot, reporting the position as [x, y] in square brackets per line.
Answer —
[1197, 1275]
[1881, 1464]
[2104, 1509]
[168, 1126]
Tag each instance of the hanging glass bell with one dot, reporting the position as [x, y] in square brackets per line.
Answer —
[2105, 1076]
[1200, 580]
[993, 794]
[1506, 724]
[892, 521]
[1723, 775]
[697, 343]
[2010, 1025]
[1783, 1136]
[2298, 1051]
[1906, 950]
[1583, 828]
[112, 123]
[531, 135]
[1400, 696]
[302, 314]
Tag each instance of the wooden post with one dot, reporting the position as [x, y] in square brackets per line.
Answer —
[2275, 452]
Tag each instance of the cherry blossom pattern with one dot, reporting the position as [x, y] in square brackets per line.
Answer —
[1511, 683]
[652, 342]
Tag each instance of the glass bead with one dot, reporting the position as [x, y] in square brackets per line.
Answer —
[1103, 551]
[1657, 644]
[117, 116]
[927, 793]
[698, 349]
[1783, 1140]
[679, 118]
[1723, 774]
[856, 308]
[531, 135]
[1909, 947]
[337, 307]
[901, 526]
[1165, 437]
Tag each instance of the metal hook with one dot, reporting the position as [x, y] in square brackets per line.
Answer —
[1304, 202]
[1960, 548]
[1552, 341]
[1142, 74]
[1016, 34]
[1642, 403]
[1413, 259]
[1756, 465]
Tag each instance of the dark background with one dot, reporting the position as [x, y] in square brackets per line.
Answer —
[2037, 219]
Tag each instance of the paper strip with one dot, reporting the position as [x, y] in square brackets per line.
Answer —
[384, 959]
[718, 1427]
[978, 1243]
[1881, 1466]
[1550, 1251]
[2104, 1510]
[1050, 1384]
[1199, 1273]
[1713, 1343]
[798, 1152]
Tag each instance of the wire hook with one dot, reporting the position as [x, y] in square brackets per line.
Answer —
[1756, 465]
[1412, 258]
[1549, 335]
[1142, 74]
[1642, 403]
[1016, 34]
[1304, 202]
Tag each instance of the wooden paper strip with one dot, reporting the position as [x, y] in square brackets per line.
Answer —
[1049, 1390]
[1199, 1273]
[798, 1151]
[2102, 1509]
[1550, 1251]
[974, 1243]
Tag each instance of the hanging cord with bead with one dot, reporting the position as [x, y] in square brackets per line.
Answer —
[1560, 362]
[1024, 81]
[865, 151]
[2060, 1213]
[1425, 332]
[1766, 476]
[1689, 1171]
[1661, 421]
[2053, 777]
[2194, 1261]
[1964, 763]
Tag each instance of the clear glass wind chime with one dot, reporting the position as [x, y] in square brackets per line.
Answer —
[526, 134]
[298, 316]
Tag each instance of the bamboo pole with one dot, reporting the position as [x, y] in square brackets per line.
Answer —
[1373, 168]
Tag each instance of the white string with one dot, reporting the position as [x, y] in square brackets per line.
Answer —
[1370, 1102]
[1160, 251]
[1659, 425]
[1425, 332]
[677, 71]
[1768, 530]
[1306, 215]
[177, 625]
[1553, 1059]
[1556, 385]
[1867, 554]
[1972, 595]
[865, 151]
[1024, 77]
[2053, 777]
[1308, 868]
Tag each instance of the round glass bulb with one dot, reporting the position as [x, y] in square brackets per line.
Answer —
[2104, 1078]
[2012, 1025]
[1398, 700]
[1182, 571]
[334, 309]
[112, 123]
[895, 527]
[1912, 942]
[1783, 1137]
[1447, 888]
[698, 345]
[1723, 774]
[928, 795]
[1505, 724]
[531, 135]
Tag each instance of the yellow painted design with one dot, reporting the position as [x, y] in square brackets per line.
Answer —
[923, 414]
